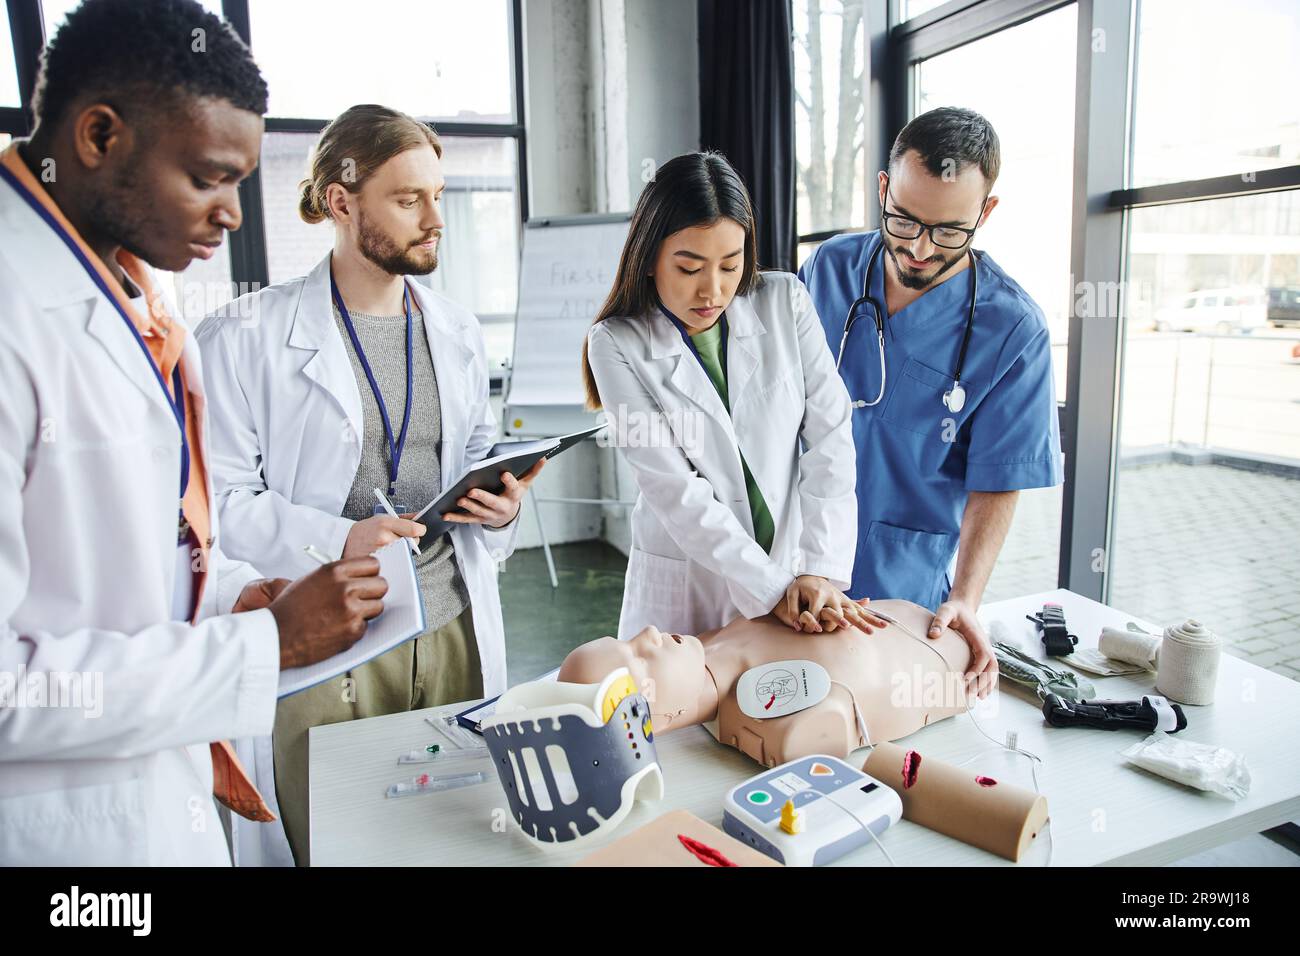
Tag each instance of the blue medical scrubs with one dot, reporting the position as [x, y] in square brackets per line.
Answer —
[917, 461]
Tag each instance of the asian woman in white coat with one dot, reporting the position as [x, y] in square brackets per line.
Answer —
[722, 397]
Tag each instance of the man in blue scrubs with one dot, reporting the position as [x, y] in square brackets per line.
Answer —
[936, 466]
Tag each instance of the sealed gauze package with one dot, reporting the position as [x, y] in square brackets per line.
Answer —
[1203, 766]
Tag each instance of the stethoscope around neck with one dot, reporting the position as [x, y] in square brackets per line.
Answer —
[955, 398]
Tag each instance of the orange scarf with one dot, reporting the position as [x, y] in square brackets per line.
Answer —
[165, 341]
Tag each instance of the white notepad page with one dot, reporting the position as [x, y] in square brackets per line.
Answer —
[401, 620]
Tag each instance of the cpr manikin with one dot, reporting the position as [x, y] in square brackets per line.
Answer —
[897, 682]
[883, 686]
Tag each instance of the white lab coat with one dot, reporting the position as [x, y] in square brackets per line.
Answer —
[89, 469]
[286, 430]
[694, 564]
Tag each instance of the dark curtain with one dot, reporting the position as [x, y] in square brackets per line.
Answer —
[747, 110]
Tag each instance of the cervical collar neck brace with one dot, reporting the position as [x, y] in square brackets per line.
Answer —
[573, 758]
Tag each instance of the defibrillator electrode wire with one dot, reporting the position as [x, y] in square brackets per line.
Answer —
[1034, 759]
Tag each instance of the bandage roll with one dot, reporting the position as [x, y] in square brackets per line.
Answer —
[958, 802]
[1189, 663]
[1131, 647]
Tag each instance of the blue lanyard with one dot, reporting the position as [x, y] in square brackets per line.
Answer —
[177, 404]
[180, 414]
[690, 343]
[394, 447]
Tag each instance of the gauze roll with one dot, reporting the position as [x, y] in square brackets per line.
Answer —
[1189, 663]
[1131, 647]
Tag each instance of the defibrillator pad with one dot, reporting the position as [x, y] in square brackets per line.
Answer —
[782, 687]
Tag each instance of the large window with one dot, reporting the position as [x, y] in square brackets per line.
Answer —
[1018, 72]
[1207, 490]
[446, 62]
[1028, 234]
[1207, 497]
[1216, 89]
[830, 72]
[1213, 319]
[435, 59]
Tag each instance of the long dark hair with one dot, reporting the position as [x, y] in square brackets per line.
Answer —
[695, 189]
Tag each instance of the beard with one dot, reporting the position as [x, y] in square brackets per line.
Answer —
[381, 249]
[911, 279]
[115, 212]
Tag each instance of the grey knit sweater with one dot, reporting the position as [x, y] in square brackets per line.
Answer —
[384, 340]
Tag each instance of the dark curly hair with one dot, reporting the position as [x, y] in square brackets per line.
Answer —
[137, 53]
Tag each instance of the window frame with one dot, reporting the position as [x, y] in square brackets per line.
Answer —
[248, 250]
[874, 41]
[945, 28]
[248, 246]
[28, 36]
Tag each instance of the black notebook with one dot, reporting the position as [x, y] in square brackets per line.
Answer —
[515, 457]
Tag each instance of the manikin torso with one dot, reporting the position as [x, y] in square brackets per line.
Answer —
[901, 681]
[900, 684]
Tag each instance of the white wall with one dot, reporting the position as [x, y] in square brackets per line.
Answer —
[664, 88]
[612, 89]
[557, 87]
[609, 104]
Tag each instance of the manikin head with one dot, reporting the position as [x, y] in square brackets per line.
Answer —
[667, 668]
[377, 174]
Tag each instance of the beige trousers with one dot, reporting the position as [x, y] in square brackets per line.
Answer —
[440, 666]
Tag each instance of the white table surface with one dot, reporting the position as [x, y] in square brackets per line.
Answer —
[1103, 810]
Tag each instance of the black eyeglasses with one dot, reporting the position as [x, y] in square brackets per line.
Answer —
[905, 227]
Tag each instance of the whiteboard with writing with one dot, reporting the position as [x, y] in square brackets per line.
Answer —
[566, 271]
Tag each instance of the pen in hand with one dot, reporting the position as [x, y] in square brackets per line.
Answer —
[318, 555]
[383, 500]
